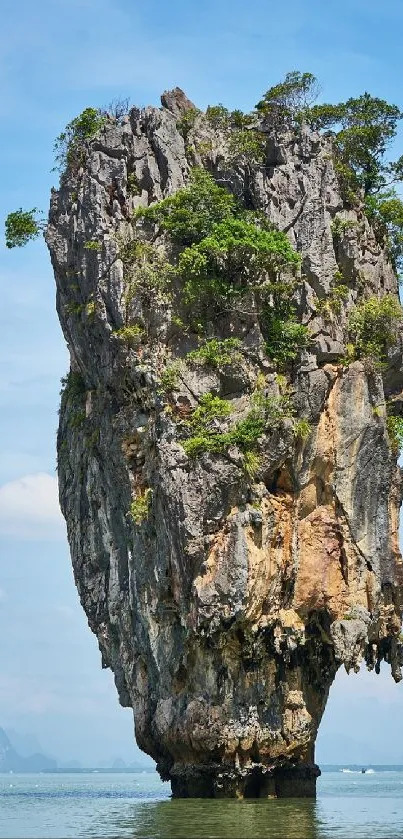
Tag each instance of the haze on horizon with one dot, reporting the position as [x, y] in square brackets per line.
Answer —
[57, 59]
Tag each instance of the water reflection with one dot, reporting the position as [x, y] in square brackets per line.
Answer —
[207, 819]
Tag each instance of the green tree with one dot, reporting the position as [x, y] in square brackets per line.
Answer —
[70, 145]
[229, 253]
[218, 116]
[324, 116]
[385, 212]
[189, 215]
[364, 128]
[236, 257]
[217, 353]
[284, 102]
[368, 125]
[284, 336]
[22, 226]
[394, 425]
[247, 146]
[373, 327]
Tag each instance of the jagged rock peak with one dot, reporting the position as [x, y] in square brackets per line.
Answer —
[176, 101]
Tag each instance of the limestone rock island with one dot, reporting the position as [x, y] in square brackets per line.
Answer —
[226, 456]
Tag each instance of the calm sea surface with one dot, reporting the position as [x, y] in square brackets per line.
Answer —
[349, 805]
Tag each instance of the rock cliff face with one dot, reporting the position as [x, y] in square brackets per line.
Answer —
[226, 609]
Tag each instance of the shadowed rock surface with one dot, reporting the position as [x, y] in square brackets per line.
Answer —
[226, 613]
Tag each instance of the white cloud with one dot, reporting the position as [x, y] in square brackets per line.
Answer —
[29, 508]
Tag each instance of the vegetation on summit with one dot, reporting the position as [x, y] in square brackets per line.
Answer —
[361, 128]
[227, 258]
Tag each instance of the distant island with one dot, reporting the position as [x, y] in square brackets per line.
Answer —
[11, 759]
[105, 770]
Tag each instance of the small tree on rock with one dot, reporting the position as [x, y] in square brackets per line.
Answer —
[284, 102]
[22, 226]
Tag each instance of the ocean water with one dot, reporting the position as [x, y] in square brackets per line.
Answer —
[349, 804]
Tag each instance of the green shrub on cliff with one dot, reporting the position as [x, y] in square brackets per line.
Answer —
[241, 120]
[333, 303]
[147, 272]
[265, 413]
[169, 377]
[218, 116]
[251, 463]
[373, 326]
[245, 434]
[187, 122]
[131, 335]
[284, 336]
[302, 429]
[385, 212]
[394, 426]
[234, 258]
[217, 353]
[210, 409]
[73, 394]
[189, 215]
[204, 426]
[248, 146]
[69, 146]
[73, 386]
[229, 253]
[140, 507]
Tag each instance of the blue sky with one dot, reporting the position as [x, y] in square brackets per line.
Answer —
[55, 59]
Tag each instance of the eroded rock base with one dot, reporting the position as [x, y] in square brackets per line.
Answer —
[258, 782]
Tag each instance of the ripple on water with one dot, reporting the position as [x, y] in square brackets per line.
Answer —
[120, 806]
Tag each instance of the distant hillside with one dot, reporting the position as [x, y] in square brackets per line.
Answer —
[11, 761]
[25, 744]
